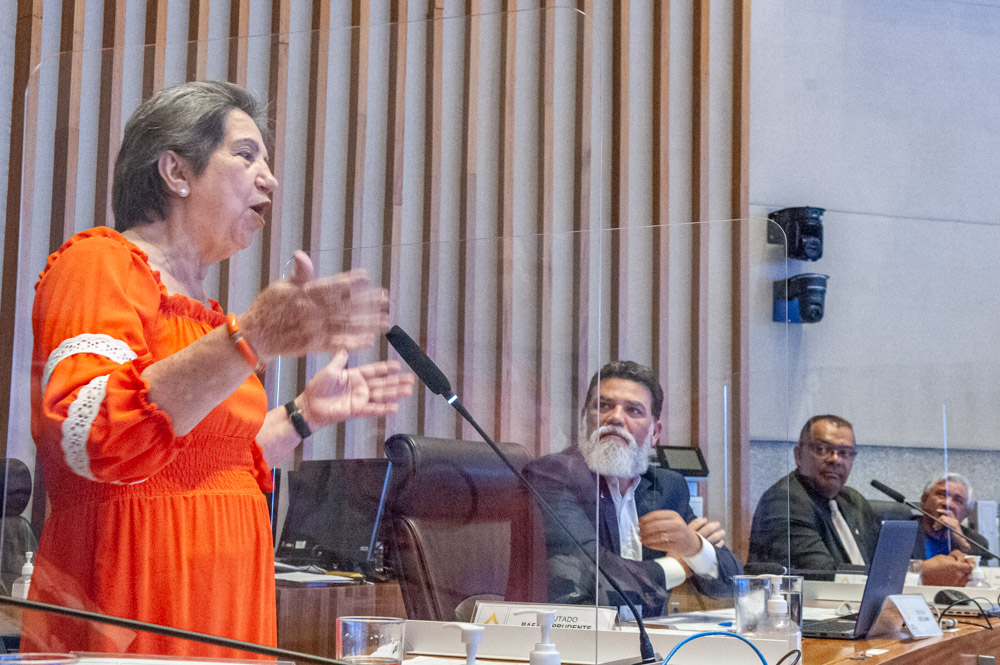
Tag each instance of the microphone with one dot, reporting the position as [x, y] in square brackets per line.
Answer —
[422, 366]
[889, 492]
[438, 383]
[896, 496]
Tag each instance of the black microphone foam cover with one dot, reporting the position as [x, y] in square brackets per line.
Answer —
[764, 568]
[422, 366]
[888, 491]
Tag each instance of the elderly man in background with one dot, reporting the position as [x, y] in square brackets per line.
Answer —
[949, 498]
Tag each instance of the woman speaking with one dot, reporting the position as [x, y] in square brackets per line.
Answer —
[152, 430]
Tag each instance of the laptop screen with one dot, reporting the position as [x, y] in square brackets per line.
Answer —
[334, 511]
[888, 569]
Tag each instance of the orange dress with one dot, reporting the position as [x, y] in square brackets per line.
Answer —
[142, 524]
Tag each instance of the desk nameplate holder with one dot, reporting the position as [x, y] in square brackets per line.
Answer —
[914, 612]
[576, 617]
[432, 638]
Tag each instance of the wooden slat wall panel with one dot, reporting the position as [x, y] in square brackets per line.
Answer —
[271, 250]
[197, 62]
[505, 313]
[431, 284]
[591, 162]
[392, 162]
[156, 45]
[619, 301]
[739, 478]
[546, 303]
[67, 134]
[24, 110]
[661, 193]
[110, 123]
[699, 215]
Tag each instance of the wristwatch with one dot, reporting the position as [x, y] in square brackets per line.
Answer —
[298, 420]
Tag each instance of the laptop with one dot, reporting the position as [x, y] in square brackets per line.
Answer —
[885, 578]
[335, 509]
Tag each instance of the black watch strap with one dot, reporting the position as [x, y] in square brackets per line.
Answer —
[298, 420]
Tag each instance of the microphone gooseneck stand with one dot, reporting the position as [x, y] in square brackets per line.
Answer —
[169, 631]
[435, 380]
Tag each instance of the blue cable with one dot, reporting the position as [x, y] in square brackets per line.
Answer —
[714, 632]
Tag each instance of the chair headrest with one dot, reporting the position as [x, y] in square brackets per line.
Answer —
[15, 486]
[452, 479]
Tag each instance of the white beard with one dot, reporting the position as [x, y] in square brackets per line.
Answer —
[608, 455]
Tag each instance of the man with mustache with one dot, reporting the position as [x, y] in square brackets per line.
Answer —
[810, 519]
[949, 497]
[650, 540]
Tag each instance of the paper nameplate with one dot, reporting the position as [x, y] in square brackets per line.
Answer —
[917, 615]
[581, 617]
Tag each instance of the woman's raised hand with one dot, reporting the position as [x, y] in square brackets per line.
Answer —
[301, 315]
[338, 392]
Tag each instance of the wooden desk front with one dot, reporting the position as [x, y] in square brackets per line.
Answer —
[960, 648]
[307, 616]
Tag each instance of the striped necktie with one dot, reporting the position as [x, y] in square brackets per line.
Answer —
[845, 535]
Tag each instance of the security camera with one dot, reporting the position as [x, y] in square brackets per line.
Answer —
[800, 229]
[799, 299]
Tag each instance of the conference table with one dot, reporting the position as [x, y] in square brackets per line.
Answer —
[306, 618]
[962, 647]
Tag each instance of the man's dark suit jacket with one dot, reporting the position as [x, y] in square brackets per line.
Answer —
[568, 485]
[793, 526]
[920, 546]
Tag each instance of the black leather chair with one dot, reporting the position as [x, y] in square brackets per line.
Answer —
[891, 510]
[459, 526]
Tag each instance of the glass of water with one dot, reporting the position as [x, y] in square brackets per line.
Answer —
[370, 640]
[750, 594]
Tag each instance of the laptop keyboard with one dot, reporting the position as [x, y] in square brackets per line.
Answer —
[842, 625]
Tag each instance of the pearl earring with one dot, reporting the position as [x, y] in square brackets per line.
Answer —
[183, 191]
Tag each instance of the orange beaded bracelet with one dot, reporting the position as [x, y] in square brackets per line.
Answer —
[242, 345]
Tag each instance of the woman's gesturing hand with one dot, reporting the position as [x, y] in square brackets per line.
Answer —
[338, 392]
[301, 315]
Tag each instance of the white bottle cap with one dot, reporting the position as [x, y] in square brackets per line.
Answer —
[472, 635]
[28, 568]
[777, 605]
[545, 652]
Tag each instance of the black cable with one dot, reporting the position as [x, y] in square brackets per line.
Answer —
[169, 631]
[793, 652]
[962, 601]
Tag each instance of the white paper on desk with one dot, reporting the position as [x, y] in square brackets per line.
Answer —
[434, 660]
[695, 622]
[312, 578]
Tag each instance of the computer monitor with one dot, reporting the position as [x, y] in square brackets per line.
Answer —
[334, 511]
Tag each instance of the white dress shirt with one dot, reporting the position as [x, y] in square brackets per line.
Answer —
[703, 563]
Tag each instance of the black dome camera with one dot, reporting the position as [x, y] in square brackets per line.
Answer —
[801, 229]
[800, 299]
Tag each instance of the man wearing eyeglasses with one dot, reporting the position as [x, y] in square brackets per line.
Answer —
[810, 519]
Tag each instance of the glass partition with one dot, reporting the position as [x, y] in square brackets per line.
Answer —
[413, 153]
[519, 348]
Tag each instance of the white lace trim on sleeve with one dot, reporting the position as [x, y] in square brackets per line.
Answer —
[96, 343]
[76, 427]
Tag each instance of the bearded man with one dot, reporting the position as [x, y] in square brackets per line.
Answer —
[648, 538]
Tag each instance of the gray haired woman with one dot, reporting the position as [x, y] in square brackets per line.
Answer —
[152, 427]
